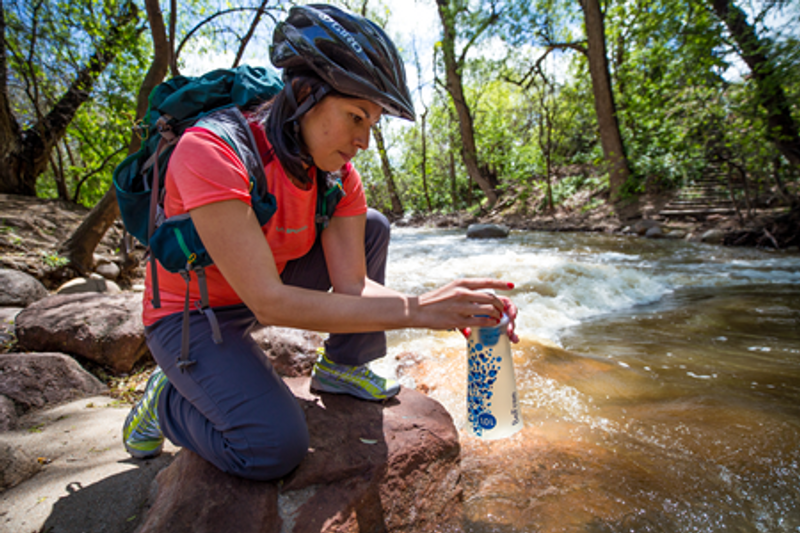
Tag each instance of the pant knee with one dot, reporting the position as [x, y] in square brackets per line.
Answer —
[273, 460]
[376, 244]
[378, 228]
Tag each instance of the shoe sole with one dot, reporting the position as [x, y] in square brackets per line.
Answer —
[321, 385]
[139, 454]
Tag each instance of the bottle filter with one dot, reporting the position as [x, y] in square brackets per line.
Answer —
[492, 402]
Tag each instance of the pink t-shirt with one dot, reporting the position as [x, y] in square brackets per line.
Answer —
[204, 169]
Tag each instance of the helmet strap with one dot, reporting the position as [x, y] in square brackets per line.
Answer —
[310, 102]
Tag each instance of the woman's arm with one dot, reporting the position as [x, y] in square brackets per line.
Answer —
[235, 241]
[343, 242]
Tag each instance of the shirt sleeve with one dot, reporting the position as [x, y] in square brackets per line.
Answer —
[204, 169]
[355, 201]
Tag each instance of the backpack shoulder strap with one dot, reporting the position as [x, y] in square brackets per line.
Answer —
[231, 126]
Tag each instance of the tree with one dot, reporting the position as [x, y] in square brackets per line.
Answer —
[610, 136]
[80, 246]
[386, 167]
[26, 148]
[782, 129]
[449, 11]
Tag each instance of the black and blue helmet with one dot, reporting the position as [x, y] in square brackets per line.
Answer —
[350, 53]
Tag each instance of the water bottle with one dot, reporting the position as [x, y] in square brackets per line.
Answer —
[492, 402]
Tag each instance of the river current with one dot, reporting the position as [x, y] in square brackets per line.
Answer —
[659, 381]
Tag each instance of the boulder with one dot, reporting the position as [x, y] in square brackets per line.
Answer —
[641, 227]
[487, 231]
[18, 289]
[391, 467]
[106, 329]
[106, 266]
[713, 236]
[108, 270]
[36, 380]
[654, 233]
[291, 351]
[94, 283]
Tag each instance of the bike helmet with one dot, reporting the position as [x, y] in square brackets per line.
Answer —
[350, 53]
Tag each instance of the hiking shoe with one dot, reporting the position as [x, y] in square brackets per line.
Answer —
[141, 433]
[358, 381]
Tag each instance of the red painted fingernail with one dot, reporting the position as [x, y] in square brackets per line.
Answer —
[510, 285]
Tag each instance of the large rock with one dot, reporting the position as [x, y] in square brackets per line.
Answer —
[713, 236]
[18, 289]
[94, 283]
[36, 380]
[106, 329]
[641, 227]
[487, 231]
[655, 233]
[291, 351]
[390, 467]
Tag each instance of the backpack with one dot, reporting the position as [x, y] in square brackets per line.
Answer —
[211, 101]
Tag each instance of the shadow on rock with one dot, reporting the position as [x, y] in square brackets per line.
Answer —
[113, 505]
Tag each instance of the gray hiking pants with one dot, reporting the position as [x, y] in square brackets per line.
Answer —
[230, 407]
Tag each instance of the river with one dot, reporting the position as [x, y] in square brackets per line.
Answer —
[659, 381]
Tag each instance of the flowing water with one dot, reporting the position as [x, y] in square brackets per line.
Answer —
[659, 382]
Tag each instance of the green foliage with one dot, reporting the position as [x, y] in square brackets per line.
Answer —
[682, 113]
[54, 261]
[571, 185]
[49, 45]
[594, 203]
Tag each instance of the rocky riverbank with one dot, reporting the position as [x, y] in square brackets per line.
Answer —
[391, 466]
[60, 449]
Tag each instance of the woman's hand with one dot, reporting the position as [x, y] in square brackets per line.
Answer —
[511, 311]
[465, 303]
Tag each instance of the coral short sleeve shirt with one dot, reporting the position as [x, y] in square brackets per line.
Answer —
[204, 169]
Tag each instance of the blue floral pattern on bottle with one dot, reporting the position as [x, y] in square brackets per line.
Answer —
[484, 366]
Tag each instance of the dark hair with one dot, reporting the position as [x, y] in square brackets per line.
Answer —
[281, 122]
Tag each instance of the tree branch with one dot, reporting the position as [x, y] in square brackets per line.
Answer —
[206, 21]
[56, 121]
[482, 28]
[262, 10]
[102, 165]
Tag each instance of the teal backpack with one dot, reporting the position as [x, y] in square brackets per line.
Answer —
[212, 101]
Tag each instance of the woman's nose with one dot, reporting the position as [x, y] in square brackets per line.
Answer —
[362, 139]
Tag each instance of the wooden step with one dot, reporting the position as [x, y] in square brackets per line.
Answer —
[696, 212]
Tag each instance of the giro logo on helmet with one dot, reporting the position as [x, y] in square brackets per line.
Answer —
[343, 33]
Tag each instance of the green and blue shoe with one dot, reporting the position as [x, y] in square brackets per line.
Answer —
[141, 433]
[358, 381]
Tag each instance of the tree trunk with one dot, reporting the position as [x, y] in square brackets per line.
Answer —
[80, 246]
[453, 184]
[455, 88]
[26, 154]
[782, 129]
[397, 205]
[425, 162]
[9, 128]
[610, 137]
